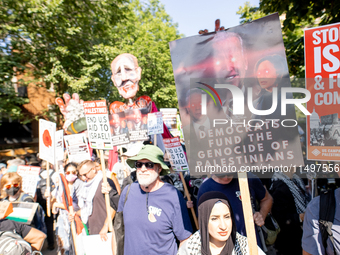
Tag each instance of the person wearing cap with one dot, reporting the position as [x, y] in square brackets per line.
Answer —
[155, 212]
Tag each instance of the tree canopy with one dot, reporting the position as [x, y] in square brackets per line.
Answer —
[71, 44]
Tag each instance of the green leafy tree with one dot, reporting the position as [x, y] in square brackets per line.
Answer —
[71, 44]
[145, 33]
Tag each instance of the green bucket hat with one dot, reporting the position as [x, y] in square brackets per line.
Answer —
[152, 153]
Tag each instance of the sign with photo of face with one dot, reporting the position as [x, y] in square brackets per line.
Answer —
[232, 93]
[137, 124]
[118, 128]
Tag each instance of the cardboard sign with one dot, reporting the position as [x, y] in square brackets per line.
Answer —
[230, 111]
[59, 145]
[6, 208]
[47, 140]
[176, 154]
[118, 128]
[170, 119]
[98, 126]
[93, 245]
[77, 147]
[322, 60]
[155, 123]
[30, 178]
[23, 212]
[137, 124]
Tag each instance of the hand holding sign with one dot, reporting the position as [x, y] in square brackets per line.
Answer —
[217, 28]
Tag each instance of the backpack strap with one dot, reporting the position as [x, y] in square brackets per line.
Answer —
[127, 193]
[326, 217]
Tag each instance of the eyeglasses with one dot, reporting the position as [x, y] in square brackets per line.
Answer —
[148, 165]
[15, 185]
[85, 175]
[71, 172]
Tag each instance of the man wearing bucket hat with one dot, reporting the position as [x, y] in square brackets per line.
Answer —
[152, 207]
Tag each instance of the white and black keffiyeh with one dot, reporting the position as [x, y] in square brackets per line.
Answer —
[296, 187]
[193, 245]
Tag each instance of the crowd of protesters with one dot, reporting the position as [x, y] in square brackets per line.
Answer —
[156, 215]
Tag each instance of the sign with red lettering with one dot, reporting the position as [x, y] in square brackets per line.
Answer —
[322, 60]
[30, 178]
[176, 154]
[98, 126]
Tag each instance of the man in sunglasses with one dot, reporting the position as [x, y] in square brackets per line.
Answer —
[152, 207]
[91, 200]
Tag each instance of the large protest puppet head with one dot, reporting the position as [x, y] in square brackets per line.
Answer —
[126, 75]
[230, 63]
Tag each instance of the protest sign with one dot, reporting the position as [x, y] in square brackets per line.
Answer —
[230, 109]
[98, 126]
[30, 178]
[47, 140]
[155, 123]
[176, 154]
[59, 145]
[23, 212]
[170, 119]
[137, 124]
[93, 245]
[77, 147]
[322, 60]
[118, 128]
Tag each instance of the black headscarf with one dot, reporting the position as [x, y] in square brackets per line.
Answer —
[205, 205]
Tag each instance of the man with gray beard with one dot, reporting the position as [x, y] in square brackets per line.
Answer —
[155, 213]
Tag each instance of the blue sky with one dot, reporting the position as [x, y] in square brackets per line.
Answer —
[193, 15]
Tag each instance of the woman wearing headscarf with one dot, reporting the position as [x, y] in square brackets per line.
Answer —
[217, 233]
[288, 192]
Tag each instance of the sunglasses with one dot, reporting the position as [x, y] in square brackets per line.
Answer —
[148, 165]
[71, 172]
[15, 185]
[85, 175]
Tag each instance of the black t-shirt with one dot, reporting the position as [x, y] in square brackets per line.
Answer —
[20, 228]
[97, 218]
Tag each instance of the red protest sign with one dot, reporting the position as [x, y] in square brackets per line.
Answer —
[322, 60]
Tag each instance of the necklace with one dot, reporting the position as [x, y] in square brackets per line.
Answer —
[151, 216]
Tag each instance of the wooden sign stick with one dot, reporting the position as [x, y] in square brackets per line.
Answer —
[187, 194]
[247, 212]
[73, 231]
[107, 198]
[48, 189]
[126, 172]
[155, 139]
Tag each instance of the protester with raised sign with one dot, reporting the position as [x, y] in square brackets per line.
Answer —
[63, 226]
[91, 199]
[162, 212]
[229, 186]
[41, 198]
